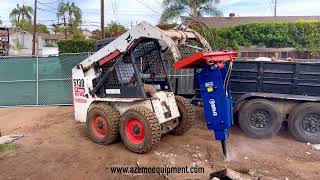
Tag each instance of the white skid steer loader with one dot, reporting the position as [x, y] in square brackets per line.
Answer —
[125, 87]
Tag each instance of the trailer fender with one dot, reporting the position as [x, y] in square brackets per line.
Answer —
[249, 96]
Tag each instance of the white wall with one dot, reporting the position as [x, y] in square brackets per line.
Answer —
[25, 39]
[50, 51]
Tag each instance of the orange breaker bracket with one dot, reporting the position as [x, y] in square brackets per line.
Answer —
[200, 59]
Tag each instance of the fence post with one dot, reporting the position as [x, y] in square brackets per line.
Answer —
[37, 80]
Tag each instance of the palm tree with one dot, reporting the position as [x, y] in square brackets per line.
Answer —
[73, 11]
[26, 12]
[195, 8]
[21, 13]
[15, 14]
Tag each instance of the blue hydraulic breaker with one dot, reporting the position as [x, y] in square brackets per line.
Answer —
[213, 82]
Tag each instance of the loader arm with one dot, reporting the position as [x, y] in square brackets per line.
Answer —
[171, 39]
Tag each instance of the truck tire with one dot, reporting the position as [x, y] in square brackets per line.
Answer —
[103, 123]
[260, 119]
[187, 116]
[304, 123]
[140, 129]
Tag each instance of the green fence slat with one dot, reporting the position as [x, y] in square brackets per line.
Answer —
[18, 79]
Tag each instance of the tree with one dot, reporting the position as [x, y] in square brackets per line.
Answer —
[114, 29]
[41, 28]
[73, 11]
[194, 8]
[21, 13]
[15, 14]
[26, 12]
[57, 28]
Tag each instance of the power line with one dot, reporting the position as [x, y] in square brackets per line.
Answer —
[55, 2]
[48, 6]
[46, 10]
[147, 6]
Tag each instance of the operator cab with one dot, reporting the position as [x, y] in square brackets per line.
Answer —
[137, 74]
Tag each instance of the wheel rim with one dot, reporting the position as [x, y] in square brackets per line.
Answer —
[99, 126]
[260, 119]
[135, 131]
[311, 123]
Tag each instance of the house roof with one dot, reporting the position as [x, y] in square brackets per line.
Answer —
[220, 22]
[52, 36]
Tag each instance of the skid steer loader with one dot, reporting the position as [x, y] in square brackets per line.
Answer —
[124, 88]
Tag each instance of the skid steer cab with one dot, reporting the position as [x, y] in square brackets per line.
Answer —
[124, 89]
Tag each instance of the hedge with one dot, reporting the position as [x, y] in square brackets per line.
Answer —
[76, 46]
[303, 35]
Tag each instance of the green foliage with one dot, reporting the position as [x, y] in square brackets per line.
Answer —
[41, 28]
[76, 46]
[174, 9]
[25, 25]
[301, 35]
[8, 147]
[114, 29]
[50, 45]
[21, 13]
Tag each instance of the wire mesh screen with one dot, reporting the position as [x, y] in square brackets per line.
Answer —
[29, 81]
[182, 80]
[124, 72]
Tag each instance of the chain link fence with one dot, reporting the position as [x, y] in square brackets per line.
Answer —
[36, 81]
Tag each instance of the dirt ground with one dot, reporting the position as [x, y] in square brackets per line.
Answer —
[56, 147]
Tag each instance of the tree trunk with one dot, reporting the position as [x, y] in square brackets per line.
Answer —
[65, 26]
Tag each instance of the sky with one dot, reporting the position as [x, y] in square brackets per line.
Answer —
[130, 12]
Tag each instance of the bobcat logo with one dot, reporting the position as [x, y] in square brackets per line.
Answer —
[129, 38]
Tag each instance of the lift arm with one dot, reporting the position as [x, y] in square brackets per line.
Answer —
[171, 39]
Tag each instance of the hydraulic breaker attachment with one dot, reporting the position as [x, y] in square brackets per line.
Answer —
[213, 81]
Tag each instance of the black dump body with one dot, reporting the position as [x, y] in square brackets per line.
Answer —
[294, 78]
[287, 78]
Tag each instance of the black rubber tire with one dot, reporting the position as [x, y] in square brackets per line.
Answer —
[271, 128]
[112, 118]
[296, 120]
[151, 126]
[187, 116]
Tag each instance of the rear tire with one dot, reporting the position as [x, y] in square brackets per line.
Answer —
[187, 116]
[304, 123]
[140, 129]
[260, 119]
[103, 123]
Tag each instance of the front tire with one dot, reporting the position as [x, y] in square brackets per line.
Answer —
[187, 116]
[140, 129]
[103, 123]
[260, 119]
[304, 123]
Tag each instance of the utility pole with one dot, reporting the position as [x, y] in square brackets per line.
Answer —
[275, 8]
[102, 20]
[34, 28]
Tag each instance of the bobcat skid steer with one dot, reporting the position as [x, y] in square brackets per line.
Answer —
[124, 88]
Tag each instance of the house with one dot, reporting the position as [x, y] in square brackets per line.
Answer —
[4, 44]
[232, 20]
[21, 44]
[87, 34]
[51, 40]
